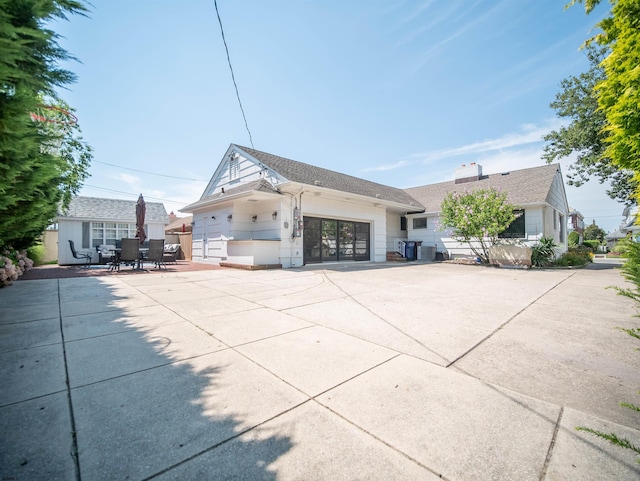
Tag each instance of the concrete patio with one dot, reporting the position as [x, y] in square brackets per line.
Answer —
[352, 371]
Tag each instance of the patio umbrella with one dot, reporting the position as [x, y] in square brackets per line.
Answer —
[141, 210]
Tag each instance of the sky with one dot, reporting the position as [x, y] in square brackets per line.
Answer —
[395, 92]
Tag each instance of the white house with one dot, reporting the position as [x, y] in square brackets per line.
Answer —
[92, 221]
[261, 210]
[537, 192]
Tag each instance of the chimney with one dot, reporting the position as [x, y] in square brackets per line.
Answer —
[468, 173]
[172, 217]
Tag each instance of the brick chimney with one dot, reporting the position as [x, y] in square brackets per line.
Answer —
[172, 217]
[468, 173]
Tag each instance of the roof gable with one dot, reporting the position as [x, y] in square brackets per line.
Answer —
[302, 173]
[524, 186]
[116, 210]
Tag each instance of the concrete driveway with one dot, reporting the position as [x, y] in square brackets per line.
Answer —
[355, 371]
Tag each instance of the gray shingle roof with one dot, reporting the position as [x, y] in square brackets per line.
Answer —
[98, 209]
[525, 186]
[316, 176]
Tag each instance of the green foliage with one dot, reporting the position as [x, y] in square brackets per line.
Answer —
[585, 137]
[477, 218]
[36, 254]
[543, 252]
[630, 250]
[575, 256]
[593, 232]
[573, 238]
[619, 91]
[34, 178]
[613, 438]
[592, 245]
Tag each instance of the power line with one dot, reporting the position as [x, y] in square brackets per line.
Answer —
[150, 173]
[134, 195]
[233, 77]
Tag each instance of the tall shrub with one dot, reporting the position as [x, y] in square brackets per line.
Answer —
[477, 218]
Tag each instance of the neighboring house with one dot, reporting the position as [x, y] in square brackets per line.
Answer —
[576, 223]
[91, 221]
[538, 194]
[178, 224]
[263, 210]
[613, 238]
[630, 225]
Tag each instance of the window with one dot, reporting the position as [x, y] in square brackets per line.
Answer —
[516, 229]
[403, 223]
[109, 232]
[420, 223]
[234, 168]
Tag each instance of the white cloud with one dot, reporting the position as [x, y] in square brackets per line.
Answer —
[528, 134]
[385, 167]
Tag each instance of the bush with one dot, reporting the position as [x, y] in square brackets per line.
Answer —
[575, 256]
[36, 254]
[574, 238]
[594, 245]
[543, 253]
[12, 265]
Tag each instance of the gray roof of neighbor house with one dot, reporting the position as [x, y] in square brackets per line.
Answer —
[98, 209]
[318, 177]
[524, 186]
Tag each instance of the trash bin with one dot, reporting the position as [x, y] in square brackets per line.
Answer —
[418, 250]
[410, 250]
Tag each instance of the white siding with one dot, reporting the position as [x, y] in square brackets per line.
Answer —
[393, 231]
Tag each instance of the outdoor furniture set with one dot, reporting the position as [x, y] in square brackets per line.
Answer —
[129, 252]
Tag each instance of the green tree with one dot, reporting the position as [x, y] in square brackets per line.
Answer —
[477, 218]
[34, 178]
[593, 232]
[585, 135]
[619, 91]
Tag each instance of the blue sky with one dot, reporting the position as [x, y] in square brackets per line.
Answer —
[397, 92]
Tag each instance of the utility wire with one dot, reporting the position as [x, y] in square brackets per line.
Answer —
[233, 77]
[146, 172]
[134, 195]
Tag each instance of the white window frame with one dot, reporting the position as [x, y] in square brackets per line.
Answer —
[110, 232]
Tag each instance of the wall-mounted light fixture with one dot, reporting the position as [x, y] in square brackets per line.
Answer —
[213, 217]
[274, 216]
[254, 218]
[229, 217]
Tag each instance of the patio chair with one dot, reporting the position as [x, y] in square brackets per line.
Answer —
[129, 253]
[81, 255]
[156, 252]
[171, 252]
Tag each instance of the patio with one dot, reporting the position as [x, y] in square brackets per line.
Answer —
[353, 371]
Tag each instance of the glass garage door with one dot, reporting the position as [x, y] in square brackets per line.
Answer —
[328, 240]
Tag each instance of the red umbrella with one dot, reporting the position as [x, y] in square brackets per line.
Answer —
[141, 210]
